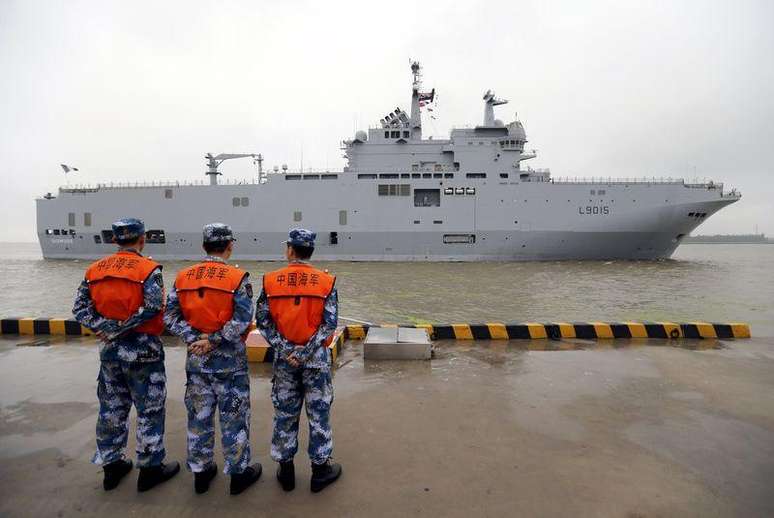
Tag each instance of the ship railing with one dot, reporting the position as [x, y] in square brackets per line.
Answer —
[153, 183]
[619, 181]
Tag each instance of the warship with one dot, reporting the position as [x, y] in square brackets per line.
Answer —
[400, 197]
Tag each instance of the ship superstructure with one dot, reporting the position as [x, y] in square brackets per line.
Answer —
[401, 197]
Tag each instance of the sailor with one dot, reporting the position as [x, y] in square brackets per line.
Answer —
[297, 313]
[121, 299]
[211, 308]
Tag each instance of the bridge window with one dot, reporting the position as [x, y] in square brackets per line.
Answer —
[292, 177]
[87, 219]
[329, 176]
[427, 197]
[475, 175]
[155, 236]
[437, 175]
[311, 177]
[388, 176]
[71, 219]
[448, 175]
[405, 175]
[366, 177]
[427, 175]
[416, 175]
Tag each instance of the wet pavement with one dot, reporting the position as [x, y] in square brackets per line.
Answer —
[485, 429]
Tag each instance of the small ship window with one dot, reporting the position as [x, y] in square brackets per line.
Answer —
[297, 215]
[245, 202]
[405, 190]
[395, 134]
[405, 175]
[235, 202]
[503, 175]
[155, 236]
[690, 214]
[49, 232]
[342, 217]
[450, 239]
[168, 194]
[459, 190]
[427, 197]
[437, 175]
[292, 177]
[87, 219]
[56, 231]
[389, 176]
[311, 177]
[366, 177]
[427, 175]
[386, 134]
[416, 175]
[437, 222]
[416, 222]
[72, 232]
[71, 219]
[97, 239]
[448, 175]
[107, 236]
[475, 175]
[448, 190]
[470, 190]
[405, 134]
[329, 176]
[333, 238]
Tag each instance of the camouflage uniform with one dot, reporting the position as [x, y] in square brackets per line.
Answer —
[310, 383]
[218, 378]
[131, 372]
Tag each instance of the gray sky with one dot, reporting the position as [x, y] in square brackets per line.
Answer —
[142, 90]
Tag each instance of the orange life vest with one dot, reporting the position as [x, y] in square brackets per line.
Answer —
[296, 297]
[206, 294]
[116, 288]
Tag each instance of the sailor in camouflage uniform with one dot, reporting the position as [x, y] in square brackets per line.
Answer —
[121, 300]
[297, 313]
[211, 308]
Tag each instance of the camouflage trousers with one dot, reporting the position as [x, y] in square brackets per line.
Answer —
[290, 389]
[230, 393]
[119, 385]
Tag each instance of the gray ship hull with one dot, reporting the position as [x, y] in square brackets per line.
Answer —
[502, 221]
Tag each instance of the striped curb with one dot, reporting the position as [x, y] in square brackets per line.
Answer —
[65, 327]
[559, 330]
[487, 331]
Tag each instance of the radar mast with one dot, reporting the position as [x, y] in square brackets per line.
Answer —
[418, 99]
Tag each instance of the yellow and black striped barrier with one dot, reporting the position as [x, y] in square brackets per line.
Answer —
[66, 327]
[485, 331]
[560, 330]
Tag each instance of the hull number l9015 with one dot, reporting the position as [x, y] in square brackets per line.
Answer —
[594, 210]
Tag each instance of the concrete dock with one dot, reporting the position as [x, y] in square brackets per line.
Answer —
[624, 428]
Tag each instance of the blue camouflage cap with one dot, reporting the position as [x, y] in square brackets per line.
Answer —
[128, 229]
[301, 237]
[217, 233]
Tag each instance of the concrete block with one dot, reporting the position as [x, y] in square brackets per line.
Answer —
[397, 343]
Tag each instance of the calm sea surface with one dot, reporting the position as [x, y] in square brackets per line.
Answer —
[701, 282]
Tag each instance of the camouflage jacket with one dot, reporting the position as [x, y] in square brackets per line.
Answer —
[229, 354]
[125, 344]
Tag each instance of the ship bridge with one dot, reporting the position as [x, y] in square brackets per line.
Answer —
[396, 144]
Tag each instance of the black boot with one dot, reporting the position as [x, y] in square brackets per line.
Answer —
[152, 476]
[114, 472]
[203, 478]
[324, 475]
[286, 474]
[241, 481]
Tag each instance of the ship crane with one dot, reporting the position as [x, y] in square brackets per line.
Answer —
[214, 161]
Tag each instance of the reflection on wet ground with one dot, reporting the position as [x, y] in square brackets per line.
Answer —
[568, 428]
